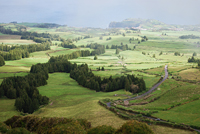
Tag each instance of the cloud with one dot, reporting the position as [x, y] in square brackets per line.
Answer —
[98, 13]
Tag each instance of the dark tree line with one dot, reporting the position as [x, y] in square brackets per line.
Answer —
[189, 37]
[86, 78]
[193, 60]
[68, 44]
[27, 96]
[122, 47]
[24, 90]
[47, 25]
[37, 37]
[17, 52]
[99, 49]
[2, 61]
[87, 36]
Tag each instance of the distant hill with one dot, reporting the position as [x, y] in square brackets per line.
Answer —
[142, 23]
[39, 25]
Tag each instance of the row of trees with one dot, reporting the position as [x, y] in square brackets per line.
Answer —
[15, 54]
[86, 78]
[37, 37]
[189, 37]
[31, 48]
[122, 47]
[22, 51]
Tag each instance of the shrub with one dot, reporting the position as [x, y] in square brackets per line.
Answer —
[70, 128]
[18, 131]
[102, 130]
[134, 127]
[43, 125]
[10, 121]
[3, 128]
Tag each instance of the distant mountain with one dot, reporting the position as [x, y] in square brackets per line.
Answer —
[142, 23]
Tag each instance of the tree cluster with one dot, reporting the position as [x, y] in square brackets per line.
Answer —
[24, 90]
[86, 78]
[193, 60]
[15, 54]
[109, 38]
[99, 49]
[47, 25]
[87, 36]
[189, 37]
[60, 125]
[68, 44]
[177, 54]
[122, 47]
[37, 37]
[22, 51]
[2, 61]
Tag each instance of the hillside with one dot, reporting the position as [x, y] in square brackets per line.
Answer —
[143, 23]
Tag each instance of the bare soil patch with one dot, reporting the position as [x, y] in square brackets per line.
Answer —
[6, 37]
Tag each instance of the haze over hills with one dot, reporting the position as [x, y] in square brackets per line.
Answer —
[146, 24]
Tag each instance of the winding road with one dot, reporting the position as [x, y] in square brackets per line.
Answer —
[148, 92]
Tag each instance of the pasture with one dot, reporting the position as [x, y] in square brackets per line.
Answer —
[68, 99]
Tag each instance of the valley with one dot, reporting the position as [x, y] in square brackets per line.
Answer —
[143, 54]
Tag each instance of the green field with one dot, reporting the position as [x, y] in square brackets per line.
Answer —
[175, 99]
[70, 100]
[180, 114]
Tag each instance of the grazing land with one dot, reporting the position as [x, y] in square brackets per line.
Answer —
[177, 99]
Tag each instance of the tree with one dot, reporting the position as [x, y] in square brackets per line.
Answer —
[2, 62]
[154, 56]
[177, 54]
[102, 130]
[107, 47]
[101, 38]
[161, 53]
[117, 51]
[127, 85]
[124, 34]
[11, 93]
[194, 54]
[95, 57]
[102, 69]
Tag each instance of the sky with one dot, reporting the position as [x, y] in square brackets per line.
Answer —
[99, 13]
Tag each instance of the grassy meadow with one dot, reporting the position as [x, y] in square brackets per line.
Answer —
[176, 100]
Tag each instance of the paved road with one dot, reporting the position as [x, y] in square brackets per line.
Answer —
[148, 92]
[151, 90]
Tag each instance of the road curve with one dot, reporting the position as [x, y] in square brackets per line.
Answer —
[152, 89]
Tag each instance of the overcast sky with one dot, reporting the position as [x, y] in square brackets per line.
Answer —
[99, 13]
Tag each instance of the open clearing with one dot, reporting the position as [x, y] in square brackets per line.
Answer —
[73, 101]
[14, 39]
